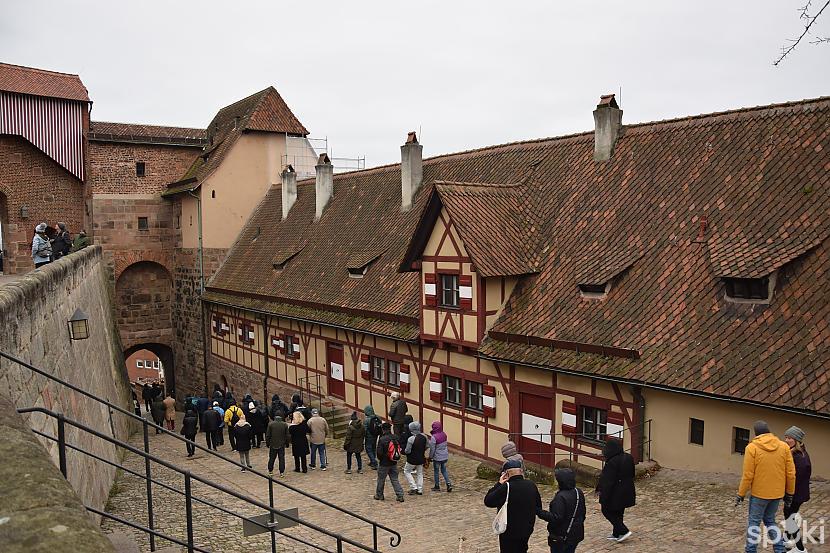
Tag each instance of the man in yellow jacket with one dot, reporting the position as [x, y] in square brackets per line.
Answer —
[768, 476]
[232, 416]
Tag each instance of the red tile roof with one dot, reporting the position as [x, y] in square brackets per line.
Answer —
[137, 132]
[760, 176]
[39, 82]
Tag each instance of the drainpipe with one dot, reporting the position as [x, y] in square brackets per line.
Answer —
[265, 332]
[637, 392]
[201, 288]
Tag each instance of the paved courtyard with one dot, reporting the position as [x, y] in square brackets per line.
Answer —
[676, 512]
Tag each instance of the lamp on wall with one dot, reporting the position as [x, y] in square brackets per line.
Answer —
[78, 326]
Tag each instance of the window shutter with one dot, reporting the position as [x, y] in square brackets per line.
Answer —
[282, 343]
[404, 378]
[365, 369]
[430, 289]
[568, 417]
[435, 387]
[296, 351]
[489, 401]
[465, 291]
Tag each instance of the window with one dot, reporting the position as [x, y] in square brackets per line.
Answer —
[475, 394]
[178, 221]
[357, 272]
[594, 423]
[696, 431]
[139, 169]
[139, 363]
[213, 193]
[289, 346]
[747, 288]
[741, 439]
[143, 223]
[379, 369]
[393, 374]
[449, 291]
[452, 390]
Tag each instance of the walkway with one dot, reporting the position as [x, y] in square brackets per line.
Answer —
[677, 512]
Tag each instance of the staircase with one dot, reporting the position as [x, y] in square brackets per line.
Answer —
[338, 417]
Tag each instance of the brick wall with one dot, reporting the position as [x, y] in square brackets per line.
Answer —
[29, 178]
[112, 167]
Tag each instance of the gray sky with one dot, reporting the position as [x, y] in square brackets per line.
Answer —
[468, 74]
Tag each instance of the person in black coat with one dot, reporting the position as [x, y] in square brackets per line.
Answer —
[278, 410]
[258, 417]
[616, 487]
[298, 430]
[62, 242]
[211, 422]
[243, 442]
[794, 437]
[246, 406]
[566, 514]
[189, 429]
[157, 411]
[147, 396]
[522, 506]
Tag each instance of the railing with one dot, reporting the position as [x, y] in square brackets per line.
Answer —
[394, 539]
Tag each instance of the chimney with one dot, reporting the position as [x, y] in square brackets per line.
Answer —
[412, 170]
[607, 126]
[289, 189]
[324, 184]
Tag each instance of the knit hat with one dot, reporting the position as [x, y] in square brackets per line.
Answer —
[314, 412]
[41, 227]
[511, 464]
[761, 427]
[508, 450]
[795, 433]
[62, 226]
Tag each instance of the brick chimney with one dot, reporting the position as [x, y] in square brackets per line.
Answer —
[289, 189]
[324, 184]
[412, 170]
[607, 126]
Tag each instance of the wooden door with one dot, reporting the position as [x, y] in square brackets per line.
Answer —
[337, 384]
[536, 425]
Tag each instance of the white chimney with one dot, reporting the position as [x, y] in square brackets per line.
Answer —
[607, 126]
[289, 189]
[324, 184]
[412, 170]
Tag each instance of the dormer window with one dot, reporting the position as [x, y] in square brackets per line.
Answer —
[749, 290]
[594, 291]
[449, 291]
[358, 272]
[358, 264]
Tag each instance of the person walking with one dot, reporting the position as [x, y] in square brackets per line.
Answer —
[523, 502]
[62, 242]
[353, 444]
[244, 436]
[298, 429]
[81, 241]
[417, 446]
[41, 246]
[278, 410]
[258, 417]
[247, 406]
[277, 438]
[319, 429]
[136, 404]
[439, 452]
[794, 438]
[768, 476]
[147, 396]
[397, 414]
[371, 426]
[565, 515]
[158, 411]
[404, 436]
[232, 415]
[210, 426]
[190, 426]
[219, 436]
[389, 453]
[616, 488]
[170, 411]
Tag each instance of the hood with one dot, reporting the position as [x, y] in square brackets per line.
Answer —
[509, 449]
[247, 398]
[296, 399]
[275, 398]
[414, 427]
[611, 448]
[437, 427]
[408, 419]
[369, 411]
[566, 479]
[438, 432]
[356, 423]
[767, 442]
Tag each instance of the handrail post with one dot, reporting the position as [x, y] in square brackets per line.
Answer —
[375, 536]
[148, 475]
[339, 544]
[189, 510]
[62, 444]
[271, 504]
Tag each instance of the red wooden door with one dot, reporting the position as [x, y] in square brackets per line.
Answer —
[337, 384]
[536, 416]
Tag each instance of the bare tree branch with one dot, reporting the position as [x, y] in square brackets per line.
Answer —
[805, 15]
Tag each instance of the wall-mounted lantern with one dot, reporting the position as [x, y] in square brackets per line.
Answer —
[78, 326]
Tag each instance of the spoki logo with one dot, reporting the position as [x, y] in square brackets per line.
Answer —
[795, 528]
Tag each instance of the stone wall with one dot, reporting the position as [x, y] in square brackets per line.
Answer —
[35, 310]
[112, 166]
[142, 295]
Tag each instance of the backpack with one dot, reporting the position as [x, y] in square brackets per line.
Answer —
[375, 426]
[394, 452]
[235, 415]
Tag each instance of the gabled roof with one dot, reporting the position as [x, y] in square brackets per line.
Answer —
[39, 82]
[105, 131]
[759, 174]
[264, 111]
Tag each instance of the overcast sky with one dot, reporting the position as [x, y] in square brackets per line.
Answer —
[468, 74]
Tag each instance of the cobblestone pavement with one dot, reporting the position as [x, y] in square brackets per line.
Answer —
[676, 511]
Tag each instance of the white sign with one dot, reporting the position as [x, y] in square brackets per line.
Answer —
[429, 289]
[532, 426]
[337, 371]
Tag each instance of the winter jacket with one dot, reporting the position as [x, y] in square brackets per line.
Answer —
[616, 482]
[369, 414]
[257, 420]
[299, 441]
[61, 244]
[438, 443]
[190, 425]
[803, 471]
[81, 241]
[355, 435]
[561, 510]
[210, 421]
[383, 449]
[41, 249]
[319, 429]
[246, 404]
[146, 392]
[522, 506]
[202, 405]
[278, 410]
[405, 434]
[221, 415]
[397, 411]
[277, 436]
[218, 396]
[157, 411]
[769, 470]
[229, 400]
[243, 433]
[229, 413]
[416, 445]
[169, 408]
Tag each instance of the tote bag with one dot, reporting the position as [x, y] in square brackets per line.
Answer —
[500, 522]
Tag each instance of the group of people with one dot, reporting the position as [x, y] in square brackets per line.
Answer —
[162, 408]
[50, 246]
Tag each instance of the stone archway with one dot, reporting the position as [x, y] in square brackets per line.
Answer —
[165, 354]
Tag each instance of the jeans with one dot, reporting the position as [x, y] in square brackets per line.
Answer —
[322, 449]
[191, 448]
[442, 466]
[349, 460]
[615, 517]
[245, 458]
[273, 454]
[563, 548]
[418, 470]
[512, 545]
[392, 472]
[370, 451]
[763, 510]
[797, 535]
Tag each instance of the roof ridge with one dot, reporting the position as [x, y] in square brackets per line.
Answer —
[39, 70]
[146, 125]
[243, 99]
[510, 185]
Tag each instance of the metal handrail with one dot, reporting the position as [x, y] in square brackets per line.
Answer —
[156, 533]
[394, 539]
[188, 477]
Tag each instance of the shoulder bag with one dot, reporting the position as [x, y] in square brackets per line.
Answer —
[500, 522]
